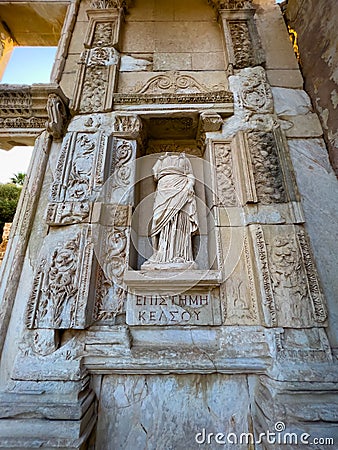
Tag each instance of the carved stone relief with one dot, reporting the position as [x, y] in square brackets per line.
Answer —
[266, 168]
[57, 116]
[226, 192]
[292, 294]
[239, 298]
[78, 177]
[231, 4]
[106, 4]
[127, 125]
[60, 295]
[252, 91]
[98, 64]
[241, 44]
[174, 83]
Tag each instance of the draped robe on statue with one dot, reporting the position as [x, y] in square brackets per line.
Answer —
[174, 213]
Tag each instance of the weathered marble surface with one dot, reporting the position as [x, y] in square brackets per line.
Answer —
[166, 413]
[318, 187]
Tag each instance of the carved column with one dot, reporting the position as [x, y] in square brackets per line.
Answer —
[99, 62]
[114, 218]
[242, 45]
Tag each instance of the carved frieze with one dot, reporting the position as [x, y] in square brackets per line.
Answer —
[78, 177]
[60, 293]
[177, 98]
[18, 102]
[266, 168]
[231, 4]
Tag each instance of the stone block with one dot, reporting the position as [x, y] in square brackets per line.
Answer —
[169, 412]
[192, 10]
[208, 60]
[138, 37]
[79, 33]
[290, 102]
[272, 29]
[289, 78]
[172, 61]
[302, 126]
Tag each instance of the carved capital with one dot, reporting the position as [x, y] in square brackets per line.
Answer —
[127, 126]
[108, 4]
[210, 121]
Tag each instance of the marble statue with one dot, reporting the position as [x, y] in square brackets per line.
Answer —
[174, 214]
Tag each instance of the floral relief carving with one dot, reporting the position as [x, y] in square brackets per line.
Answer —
[241, 43]
[121, 165]
[266, 168]
[253, 91]
[231, 4]
[105, 4]
[103, 34]
[224, 175]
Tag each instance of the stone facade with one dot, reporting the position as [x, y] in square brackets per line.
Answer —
[167, 284]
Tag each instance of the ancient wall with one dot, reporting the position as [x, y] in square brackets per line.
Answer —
[167, 276]
[319, 62]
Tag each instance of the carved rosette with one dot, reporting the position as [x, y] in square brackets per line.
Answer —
[61, 287]
[78, 177]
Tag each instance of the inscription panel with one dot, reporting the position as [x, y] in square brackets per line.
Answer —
[195, 308]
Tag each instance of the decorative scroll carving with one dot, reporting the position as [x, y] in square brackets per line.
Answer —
[265, 274]
[57, 116]
[61, 285]
[266, 167]
[252, 90]
[241, 43]
[78, 176]
[165, 98]
[312, 278]
[110, 288]
[122, 175]
[224, 176]
[174, 83]
[287, 274]
[231, 4]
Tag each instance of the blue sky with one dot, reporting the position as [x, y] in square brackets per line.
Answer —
[27, 65]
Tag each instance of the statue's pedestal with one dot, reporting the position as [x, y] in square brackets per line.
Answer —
[173, 297]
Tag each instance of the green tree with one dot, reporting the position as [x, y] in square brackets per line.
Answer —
[9, 197]
[18, 178]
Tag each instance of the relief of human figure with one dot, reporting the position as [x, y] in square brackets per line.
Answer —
[174, 214]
